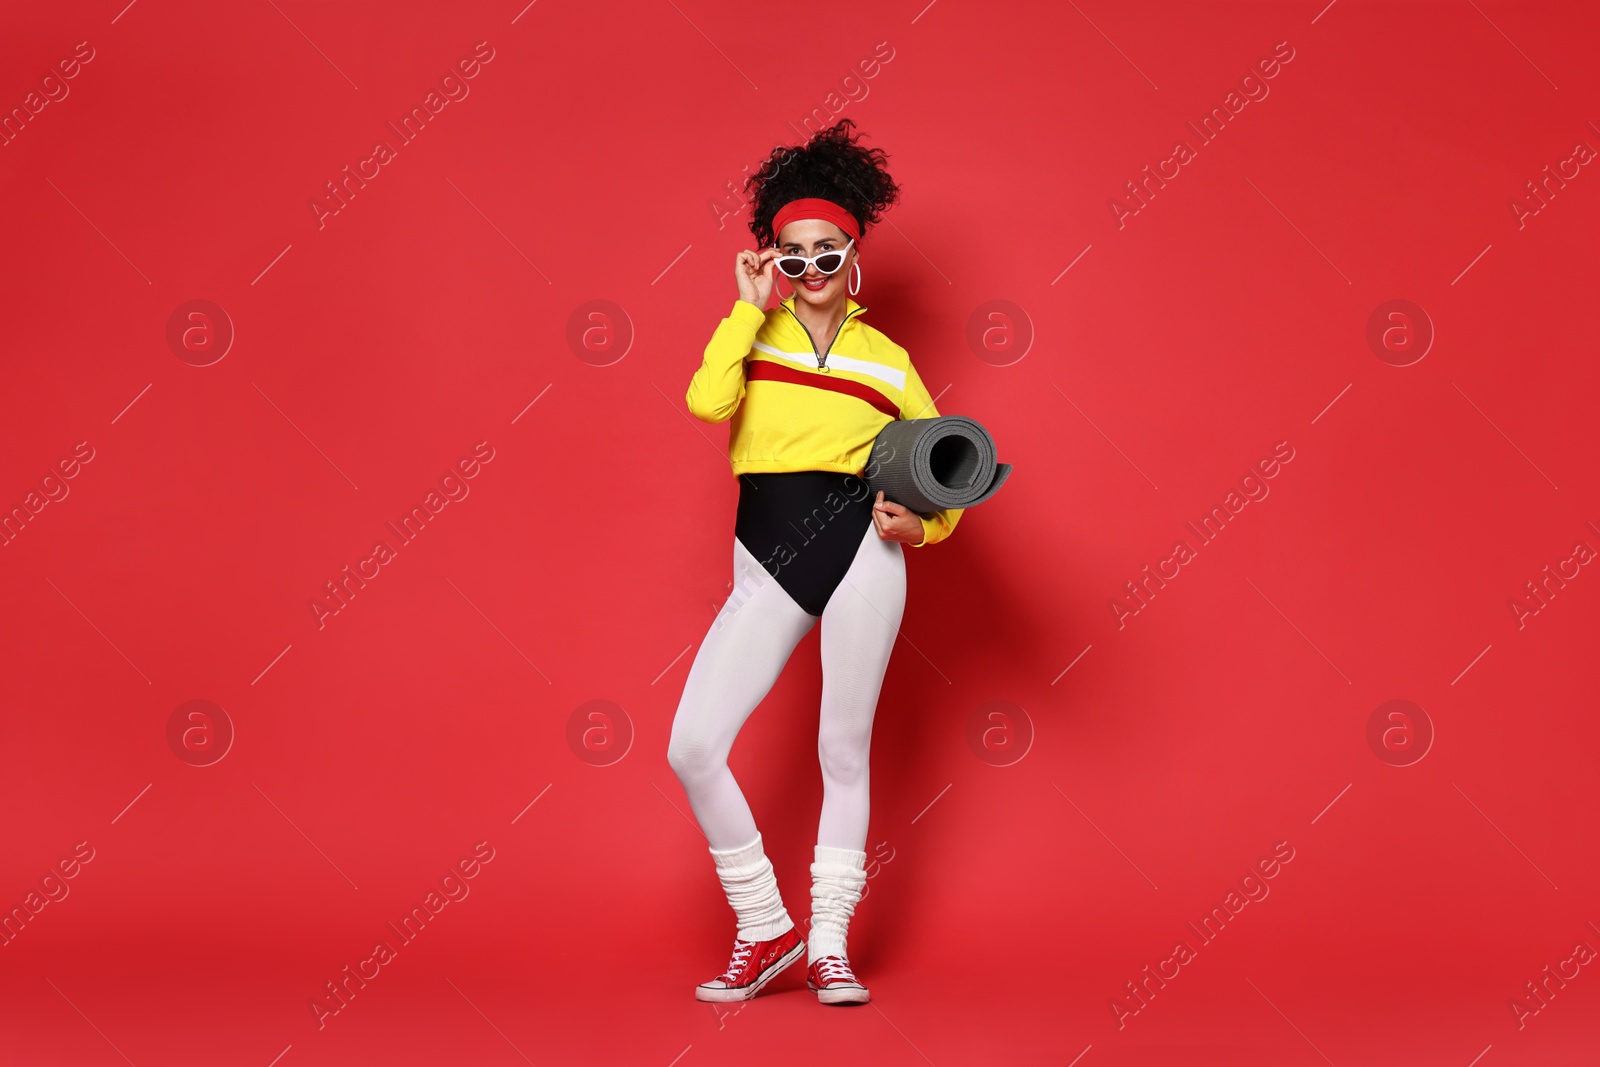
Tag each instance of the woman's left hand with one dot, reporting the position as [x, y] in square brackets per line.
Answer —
[896, 522]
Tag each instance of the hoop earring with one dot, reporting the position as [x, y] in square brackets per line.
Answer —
[856, 274]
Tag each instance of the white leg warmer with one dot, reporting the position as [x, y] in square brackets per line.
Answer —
[752, 889]
[837, 878]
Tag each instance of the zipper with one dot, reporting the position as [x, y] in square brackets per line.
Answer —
[822, 357]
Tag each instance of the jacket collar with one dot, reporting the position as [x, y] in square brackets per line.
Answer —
[850, 306]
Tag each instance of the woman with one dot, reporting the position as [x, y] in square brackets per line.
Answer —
[807, 385]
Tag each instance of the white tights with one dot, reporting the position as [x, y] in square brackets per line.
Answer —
[742, 656]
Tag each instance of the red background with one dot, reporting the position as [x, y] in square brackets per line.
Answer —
[1009, 904]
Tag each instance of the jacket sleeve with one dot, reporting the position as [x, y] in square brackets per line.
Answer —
[917, 404]
[718, 386]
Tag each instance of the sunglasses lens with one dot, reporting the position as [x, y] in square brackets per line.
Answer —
[792, 266]
[829, 262]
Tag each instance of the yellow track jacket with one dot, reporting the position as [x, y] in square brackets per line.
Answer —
[760, 370]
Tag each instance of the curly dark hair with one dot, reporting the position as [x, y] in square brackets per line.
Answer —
[830, 165]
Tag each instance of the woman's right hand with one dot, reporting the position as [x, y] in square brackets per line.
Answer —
[756, 274]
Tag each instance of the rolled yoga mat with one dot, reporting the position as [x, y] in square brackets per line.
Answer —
[935, 464]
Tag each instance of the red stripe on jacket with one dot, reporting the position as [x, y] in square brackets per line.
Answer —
[757, 370]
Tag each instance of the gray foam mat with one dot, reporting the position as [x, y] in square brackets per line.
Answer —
[934, 464]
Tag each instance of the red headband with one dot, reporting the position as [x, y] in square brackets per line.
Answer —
[812, 207]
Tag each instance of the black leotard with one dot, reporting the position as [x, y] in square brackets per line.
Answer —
[805, 528]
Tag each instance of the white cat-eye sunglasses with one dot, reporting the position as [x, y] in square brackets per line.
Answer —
[828, 262]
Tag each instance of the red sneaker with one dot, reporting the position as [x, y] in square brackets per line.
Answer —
[834, 982]
[754, 964]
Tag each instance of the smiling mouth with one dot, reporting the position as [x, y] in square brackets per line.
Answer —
[816, 285]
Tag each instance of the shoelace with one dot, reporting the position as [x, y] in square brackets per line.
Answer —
[831, 967]
[741, 953]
